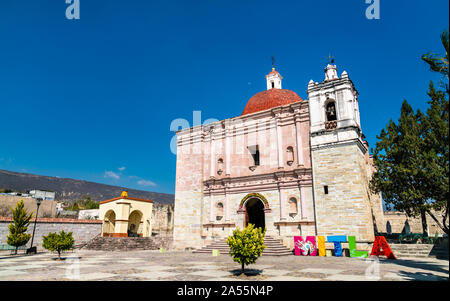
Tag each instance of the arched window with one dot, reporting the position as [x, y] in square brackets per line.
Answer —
[135, 224]
[220, 166]
[406, 228]
[388, 227]
[290, 155]
[293, 208]
[331, 111]
[219, 215]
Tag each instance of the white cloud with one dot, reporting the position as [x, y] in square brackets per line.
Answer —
[146, 183]
[121, 168]
[111, 174]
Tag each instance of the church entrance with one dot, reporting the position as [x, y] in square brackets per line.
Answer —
[254, 213]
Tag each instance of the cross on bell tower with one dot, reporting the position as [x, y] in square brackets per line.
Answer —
[331, 69]
[330, 58]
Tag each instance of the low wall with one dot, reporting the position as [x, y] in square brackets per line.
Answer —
[82, 230]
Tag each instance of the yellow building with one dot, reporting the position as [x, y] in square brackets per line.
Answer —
[125, 216]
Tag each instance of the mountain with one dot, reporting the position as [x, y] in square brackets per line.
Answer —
[71, 190]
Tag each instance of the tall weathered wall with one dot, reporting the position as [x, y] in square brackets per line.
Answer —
[46, 209]
[346, 209]
[162, 219]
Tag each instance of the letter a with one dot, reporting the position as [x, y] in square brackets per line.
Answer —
[73, 10]
[373, 10]
[381, 247]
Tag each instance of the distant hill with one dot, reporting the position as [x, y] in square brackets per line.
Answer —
[71, 190]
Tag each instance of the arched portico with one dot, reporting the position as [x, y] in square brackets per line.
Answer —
[135, 224]
[254, 206]
[125, 216]
[109, 223]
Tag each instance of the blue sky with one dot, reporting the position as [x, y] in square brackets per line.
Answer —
[93, 98]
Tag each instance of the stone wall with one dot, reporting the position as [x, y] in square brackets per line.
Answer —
[162, 219]
[399, 222]
[46, 209]
[376, 202]
[82, 230]
[346, 209]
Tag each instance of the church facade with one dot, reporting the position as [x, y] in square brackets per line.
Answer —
[296, 167]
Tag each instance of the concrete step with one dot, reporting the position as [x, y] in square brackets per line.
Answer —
[419, 250]
[127, 243]
[274, 247]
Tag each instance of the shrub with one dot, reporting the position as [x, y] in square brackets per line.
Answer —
[58, 242]
[246, 245]
[17, 229]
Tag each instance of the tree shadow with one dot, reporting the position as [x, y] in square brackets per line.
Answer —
[421, 276]
[9, 256]
[247, 272]
[415, 264]
[63, 258]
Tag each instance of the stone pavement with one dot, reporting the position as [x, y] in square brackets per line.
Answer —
[186, 266]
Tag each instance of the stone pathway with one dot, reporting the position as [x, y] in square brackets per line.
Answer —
[185, 266]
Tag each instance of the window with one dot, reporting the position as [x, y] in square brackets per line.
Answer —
[254, 151]
[325, 189]
[273, 85]
[331, 111]
[220, 166]
[219, 215]
[293, 208]
[290, 155]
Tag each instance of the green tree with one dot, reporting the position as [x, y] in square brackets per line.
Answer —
[85, 203]
[17, 229]
[437, 136]
[439, 63]
[436, 157]
[399, 162]
[412, 157]
[246, 245]
[90, 203]
[58, 242]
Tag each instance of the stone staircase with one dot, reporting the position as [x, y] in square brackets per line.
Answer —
[274, 247]
[127, 243]
[419, 250]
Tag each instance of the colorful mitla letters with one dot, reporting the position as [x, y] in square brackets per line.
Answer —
[307, 246]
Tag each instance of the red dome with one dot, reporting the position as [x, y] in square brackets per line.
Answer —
[270, 99]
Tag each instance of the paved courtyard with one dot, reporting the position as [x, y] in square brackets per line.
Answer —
[185, 266]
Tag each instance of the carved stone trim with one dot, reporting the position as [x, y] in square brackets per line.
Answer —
[296, 223]
[224, 225]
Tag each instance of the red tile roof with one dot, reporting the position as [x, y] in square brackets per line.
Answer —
[270, 99]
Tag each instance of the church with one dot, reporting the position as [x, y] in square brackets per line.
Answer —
[293, 166]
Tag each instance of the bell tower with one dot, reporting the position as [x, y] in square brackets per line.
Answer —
[334, 106]
[273, 80]
[339, 158]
